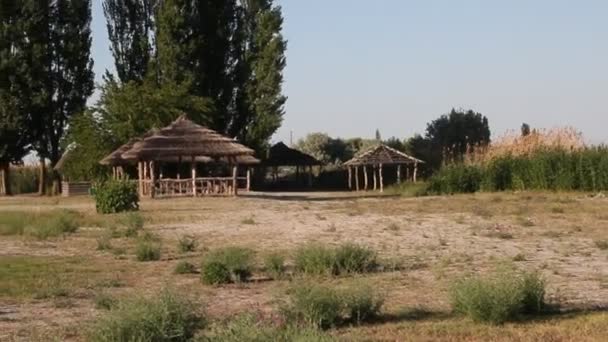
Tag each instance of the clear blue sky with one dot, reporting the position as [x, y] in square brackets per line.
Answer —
[354, 66]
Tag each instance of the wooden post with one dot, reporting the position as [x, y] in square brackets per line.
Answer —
[374, 169]
[235, 171]
[140, 176]
[248, 179]
[193, 171]
[152, 179]
[381, 180]
[415, 171]
[398, 174]
[365, 177]
[357, 177]
[407, 173]
[350, 178]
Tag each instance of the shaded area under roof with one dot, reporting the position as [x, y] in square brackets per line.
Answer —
[282, 155]
[382, 154]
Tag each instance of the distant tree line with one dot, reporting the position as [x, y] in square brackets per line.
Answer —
[446, 139]
[221, 62]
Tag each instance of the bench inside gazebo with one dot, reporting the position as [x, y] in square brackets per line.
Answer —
[214, 165]
[375, 159]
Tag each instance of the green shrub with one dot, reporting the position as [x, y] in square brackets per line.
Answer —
[147, 249]
[103, 301]
[58, 223]
[456, 178]
[315, 259]
[351, 258]
[248, 328]
[316, 306]
[236, 261]
[133, 223]
[214, 273]
[115, 197]
[274, 264]
[499, 297]
[166, 317]
[322, 306]
[187, 243]
[184, 267]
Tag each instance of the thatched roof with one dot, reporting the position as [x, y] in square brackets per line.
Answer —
[382, 154]
[282, 155]
[115, 158]
[185, 138]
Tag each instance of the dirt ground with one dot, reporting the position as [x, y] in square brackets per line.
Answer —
[433, 240]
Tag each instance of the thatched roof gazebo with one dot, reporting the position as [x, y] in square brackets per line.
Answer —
[283, 155]
[376, 157]
[183, 141]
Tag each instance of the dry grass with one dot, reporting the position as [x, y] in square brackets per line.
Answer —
[424, 243]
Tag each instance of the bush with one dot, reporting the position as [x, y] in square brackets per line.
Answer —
[351, 258]
[315, 259]
[321, 306]
[167, 317]
[133, 223]
[103, 301]
[104, 242]
[184, 267]
[148, 249]
[247, 328]
[187, 243]
[456, 178]
[235, 262]
[115, 197]
[274, 264]
[499, 297]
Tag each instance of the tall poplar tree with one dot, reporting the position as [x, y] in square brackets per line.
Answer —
[70, 78]
[130, 27]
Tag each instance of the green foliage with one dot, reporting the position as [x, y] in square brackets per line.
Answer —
[315, 259]
[184, 267]
[104, 301]
[321, 306]
[499, 297]
[41, 225]
[274, 264]
[550, 169]
[247, 328]
[227, 264]
[166, 317]
[147, 249]
[352, 258]
[187, 243]
[133, 222]
[116, 196]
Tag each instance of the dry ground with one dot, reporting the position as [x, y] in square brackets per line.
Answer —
[433, 240]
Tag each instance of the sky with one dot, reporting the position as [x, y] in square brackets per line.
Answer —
[356, 66]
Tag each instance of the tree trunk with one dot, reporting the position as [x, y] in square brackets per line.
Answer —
[5, 181]
[42, 178]
[56, 182]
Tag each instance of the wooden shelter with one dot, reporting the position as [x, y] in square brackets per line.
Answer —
[183, 141]
[375, 158]
[283, 155]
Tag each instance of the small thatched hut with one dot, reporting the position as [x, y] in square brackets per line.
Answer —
[377, 157]
[282, 155]
[183, 141]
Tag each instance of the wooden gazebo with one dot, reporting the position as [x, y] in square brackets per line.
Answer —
[183, 141]
[283, 155]
[375, 158]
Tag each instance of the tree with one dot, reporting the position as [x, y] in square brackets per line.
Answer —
[378, 136]
[70, 75]
[130, 26]
[525, 130]
[395, 143]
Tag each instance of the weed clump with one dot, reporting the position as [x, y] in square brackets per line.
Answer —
[274, 264]
[133, 222]
[499, 297]
[184, 267]
[166, 317]
[314, 259]
[59, 223]
[231, 264]
[187, 243]
[348, 258]
[601, 244]
[148, 248]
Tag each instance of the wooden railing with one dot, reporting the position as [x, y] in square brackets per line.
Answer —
[205, 186]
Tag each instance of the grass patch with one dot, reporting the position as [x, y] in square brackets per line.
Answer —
[41, 225]
[165, 317]
[148, 248]
[348, 258]
[314, 259]
[184, 267]
[503, 296]
[248, 221]
[274, 264]
[601, 244]
[104, 301]
[187, 243]
[230, 264]
[133, 222]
